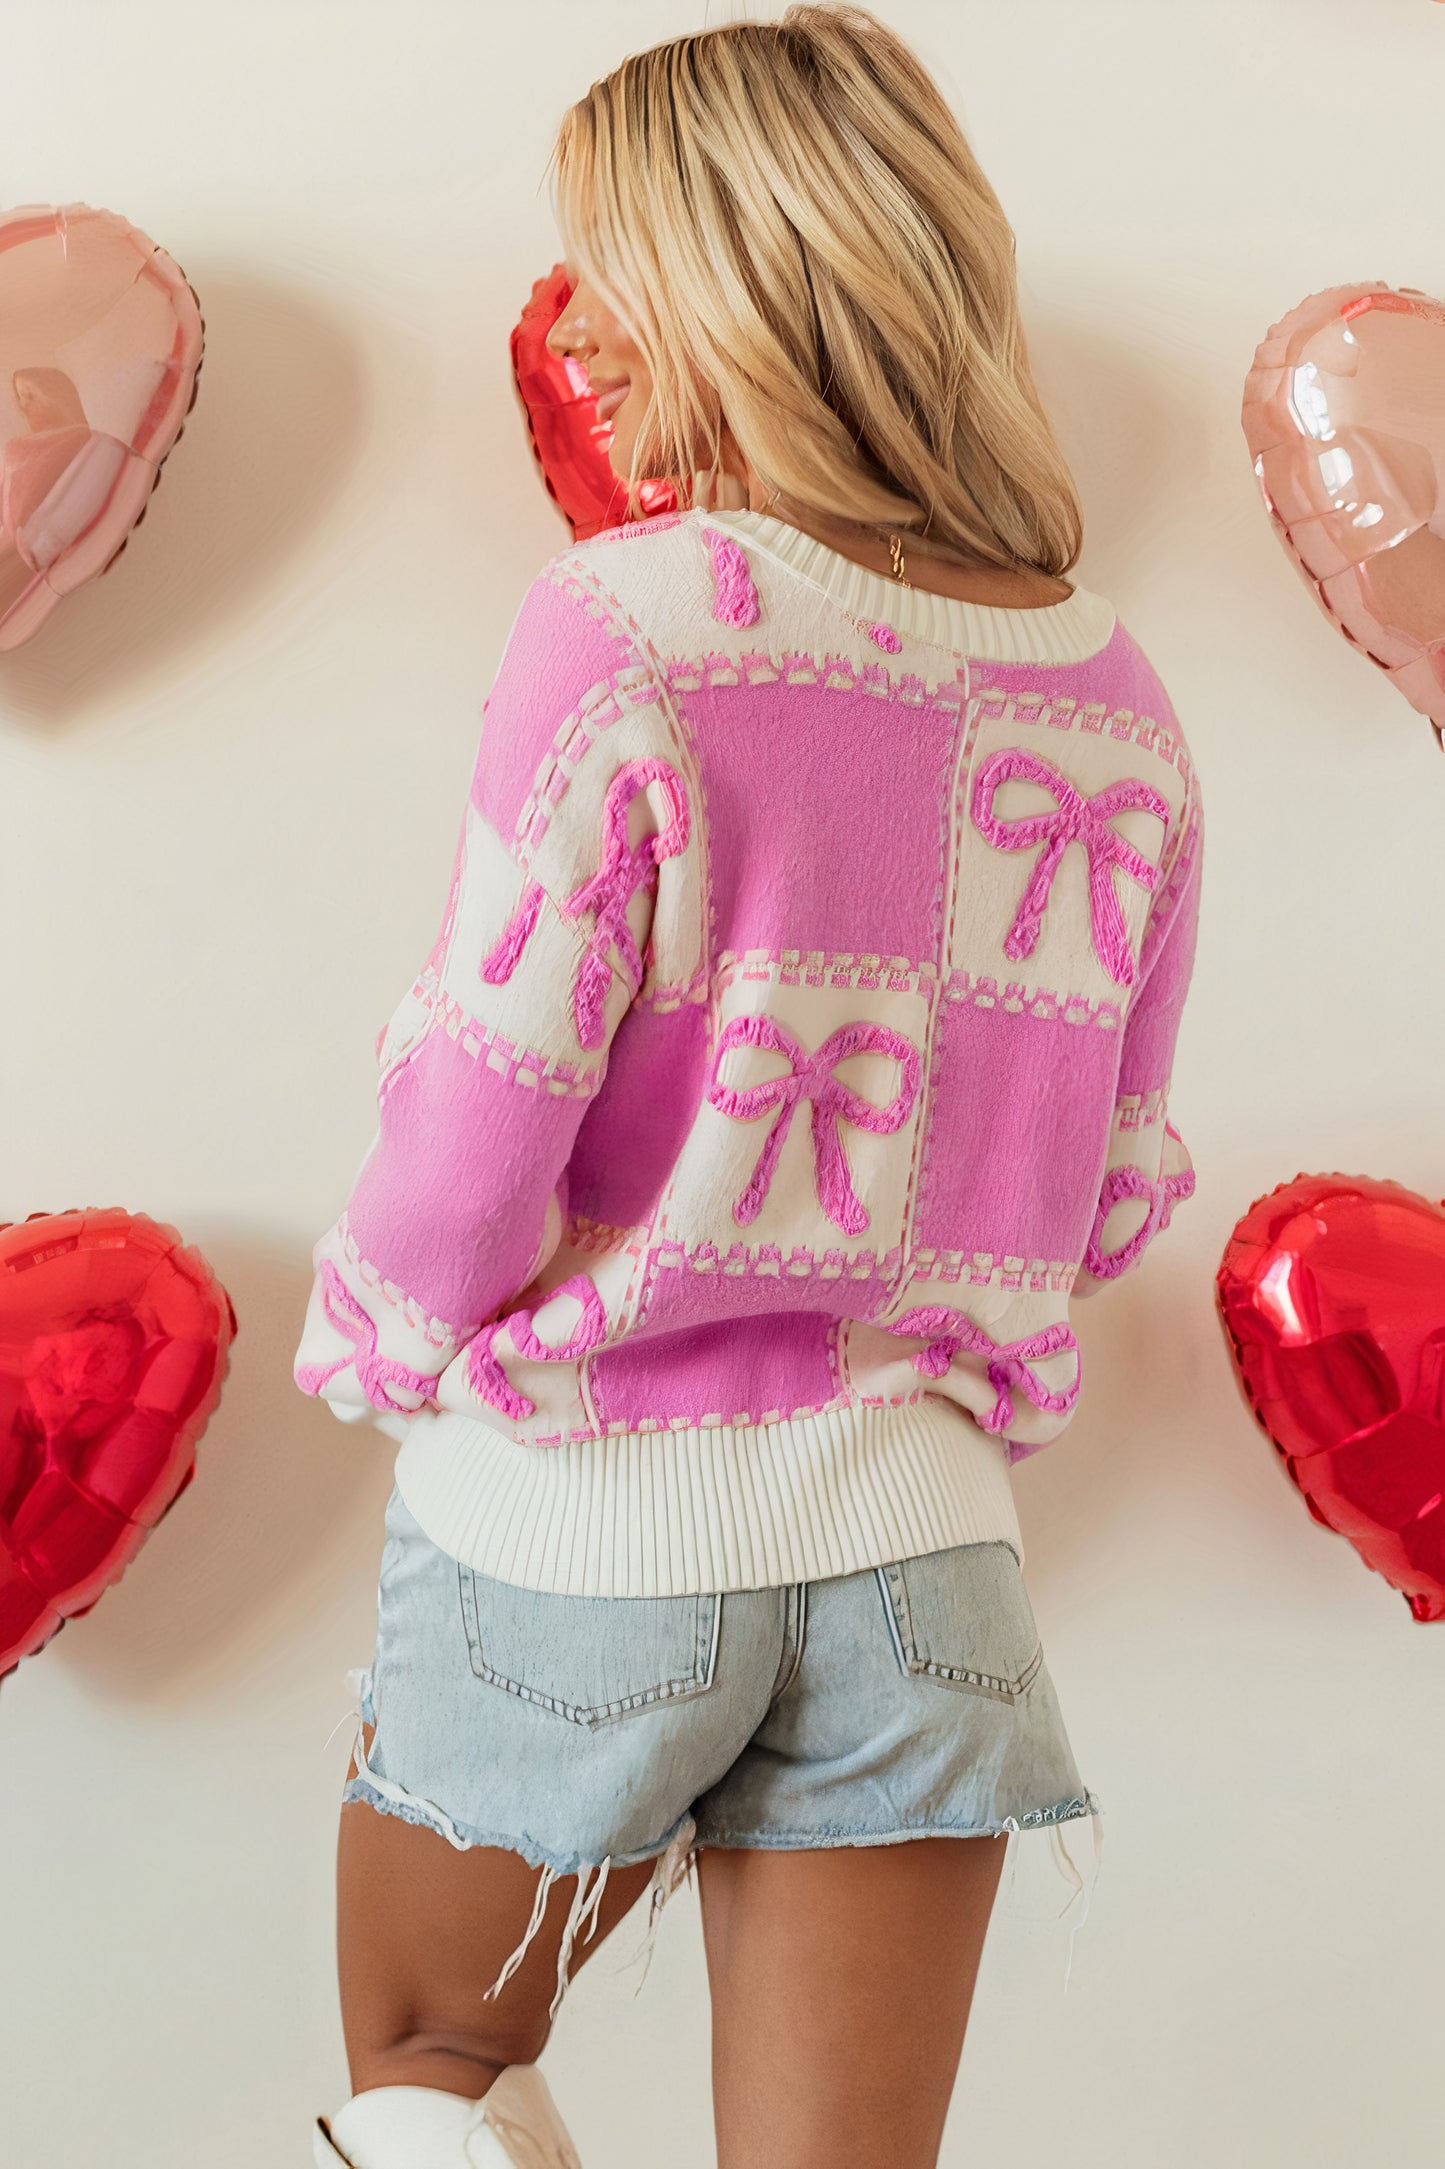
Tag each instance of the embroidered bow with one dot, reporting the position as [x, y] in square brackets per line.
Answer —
[810, 1077]
[374, 1371]
[606, 895]
[1075, 820]
[1007, 1363]
[1131, 1181]
[485, 1375]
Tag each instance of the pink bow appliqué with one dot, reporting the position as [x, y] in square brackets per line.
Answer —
[1131, 1181]
[606, 895]
[374, 1371]
[490, 1383]
[1076, 820]
[1007, 1362]
[810, 1077]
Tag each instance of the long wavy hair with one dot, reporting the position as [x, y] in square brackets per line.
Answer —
[791, 223]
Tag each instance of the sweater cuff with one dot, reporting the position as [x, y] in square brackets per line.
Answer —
[365, 1348]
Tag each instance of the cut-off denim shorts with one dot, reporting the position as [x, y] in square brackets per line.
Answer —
[902, 1701]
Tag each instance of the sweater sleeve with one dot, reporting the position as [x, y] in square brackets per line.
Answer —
[1148, 1170]
[497, 1050]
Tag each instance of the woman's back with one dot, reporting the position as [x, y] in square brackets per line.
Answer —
[833, 1163]
[796, 1044]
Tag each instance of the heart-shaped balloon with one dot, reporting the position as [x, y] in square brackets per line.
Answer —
[1344, 412]
[1332, 1293]
[114, 1345]
[100, 351]
[561, 409]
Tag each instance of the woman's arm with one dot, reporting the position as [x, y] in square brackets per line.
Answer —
[1148, 1171]
[496, 1052]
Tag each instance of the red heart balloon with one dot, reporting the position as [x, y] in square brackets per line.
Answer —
[114, 1346]
[100, 352]
[1344, 411]
[1332, 1295]
[569, 442]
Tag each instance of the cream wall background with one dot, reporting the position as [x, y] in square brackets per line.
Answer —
[231, 775]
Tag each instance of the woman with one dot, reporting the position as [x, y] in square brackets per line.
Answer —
[795, 1045]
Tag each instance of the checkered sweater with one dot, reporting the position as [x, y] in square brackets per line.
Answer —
[796, 1042]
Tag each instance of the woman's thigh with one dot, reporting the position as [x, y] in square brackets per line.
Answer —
[841, 1981]
[528, 1766]
[851, 1856]
[423, 1930]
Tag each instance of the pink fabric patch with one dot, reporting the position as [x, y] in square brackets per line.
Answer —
[651, 523]
[1151, 1027]
[1130, 1181]
[489, 1381]
[690, 1292]
[375, 1373]
[754, 1366]
[451, 1202]
[500, 962]
[1119, 679]
[557, 652]
[810, 1077]
[843, 849]
[637, 1125]
[449, 916]
[884, 637]
[1007, 1363]
[1018, 1132]
[1078, 820]
[604, 896]
[735, 601]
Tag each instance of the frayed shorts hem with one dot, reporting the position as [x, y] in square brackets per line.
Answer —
[771, 1840]
[762, 1840]
[672, 1857]
[359, 1792]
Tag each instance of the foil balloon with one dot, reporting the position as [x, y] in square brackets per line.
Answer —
[1344, 412]
[100, 350]
[114, 1345]
[1332, 1295]
[569, 442]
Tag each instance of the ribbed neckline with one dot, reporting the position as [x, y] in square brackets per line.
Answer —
[1062, 632]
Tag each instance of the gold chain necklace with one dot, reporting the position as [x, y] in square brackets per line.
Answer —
[895, 552]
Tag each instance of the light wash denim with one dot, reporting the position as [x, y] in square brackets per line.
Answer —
[902, 1701]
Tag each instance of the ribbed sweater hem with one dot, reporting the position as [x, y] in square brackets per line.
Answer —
[680, 1512]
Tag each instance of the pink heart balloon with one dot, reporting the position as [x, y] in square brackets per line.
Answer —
[100, 349]
[1344, 412]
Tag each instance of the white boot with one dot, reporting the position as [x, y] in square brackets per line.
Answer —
[515, 2125]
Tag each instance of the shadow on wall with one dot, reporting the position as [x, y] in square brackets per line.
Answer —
[1164, 1474]
[1149, 1354]
[282, 410]
[1163, 1447]
[282, 1523]
[1145, 392]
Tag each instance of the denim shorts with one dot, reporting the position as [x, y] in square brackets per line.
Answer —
[902, 1701]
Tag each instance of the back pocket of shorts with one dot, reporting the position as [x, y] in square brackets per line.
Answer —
[589, 1659]
[963, 1619]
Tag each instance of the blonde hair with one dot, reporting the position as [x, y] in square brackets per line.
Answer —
[791, 223]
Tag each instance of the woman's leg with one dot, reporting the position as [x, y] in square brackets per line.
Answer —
[422, 1932]
[841, 1981]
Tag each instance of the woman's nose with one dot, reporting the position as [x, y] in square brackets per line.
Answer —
[569, 336]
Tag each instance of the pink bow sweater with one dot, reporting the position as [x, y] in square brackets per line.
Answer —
[796, 1042]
